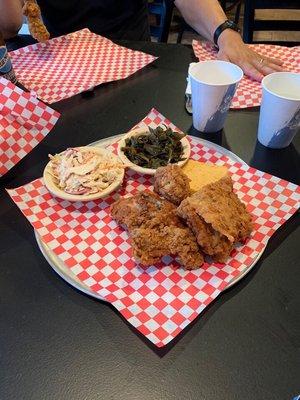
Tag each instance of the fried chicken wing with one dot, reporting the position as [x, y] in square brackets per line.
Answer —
[36, 26]
[217, 217]
[171, 183]
[156, 230]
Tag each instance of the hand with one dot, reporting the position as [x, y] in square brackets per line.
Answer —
[233, 49]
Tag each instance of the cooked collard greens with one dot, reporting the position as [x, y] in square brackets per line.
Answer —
[155, 149]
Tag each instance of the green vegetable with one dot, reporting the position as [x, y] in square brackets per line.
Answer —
[155, 149]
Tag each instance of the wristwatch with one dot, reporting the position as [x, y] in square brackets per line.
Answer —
[226, 25]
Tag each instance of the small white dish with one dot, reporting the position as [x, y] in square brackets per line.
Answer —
[56, 191]
[149, 171]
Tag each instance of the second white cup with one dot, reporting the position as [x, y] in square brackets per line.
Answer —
[279, 118]
[213, 84]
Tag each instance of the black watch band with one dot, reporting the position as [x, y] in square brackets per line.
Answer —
[226, 25]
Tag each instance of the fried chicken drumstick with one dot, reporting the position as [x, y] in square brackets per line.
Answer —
[156, 230]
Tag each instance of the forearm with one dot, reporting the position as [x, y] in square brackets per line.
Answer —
[10, 17]
[203, 15]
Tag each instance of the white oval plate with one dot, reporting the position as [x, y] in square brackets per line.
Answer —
[149, 171]
[56, 191]
[65, 273]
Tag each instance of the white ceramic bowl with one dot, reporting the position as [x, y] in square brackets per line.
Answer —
[56, 191]
[149, 171]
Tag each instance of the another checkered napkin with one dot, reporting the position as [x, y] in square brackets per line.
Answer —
[24, 122]
[161, 300]
[249, 92]
[70, 64]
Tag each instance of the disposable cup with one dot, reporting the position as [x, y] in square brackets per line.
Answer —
[213, 84]
[279, 118]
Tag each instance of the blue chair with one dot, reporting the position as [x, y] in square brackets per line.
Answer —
[163, 11]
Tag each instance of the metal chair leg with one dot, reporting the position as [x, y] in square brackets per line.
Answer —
[180, 34]
[248, 21]
[237, 13]
[168, 4]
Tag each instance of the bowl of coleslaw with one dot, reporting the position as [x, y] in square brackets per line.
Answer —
[83, 173]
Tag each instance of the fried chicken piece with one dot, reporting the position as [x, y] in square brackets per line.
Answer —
[156, 230]
[211, 242]
[31, 9]
[171, 183]
[182, 242]
[220, 206]
[36, 27]
[141, 209]
[150, 244]
[217, 217]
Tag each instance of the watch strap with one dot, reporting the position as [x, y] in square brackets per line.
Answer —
[225, 25]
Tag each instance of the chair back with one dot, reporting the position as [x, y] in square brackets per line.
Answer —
[252, 24]
[163, 11]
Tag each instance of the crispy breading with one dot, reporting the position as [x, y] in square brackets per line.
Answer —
[217, 217]
[148, 246]
[182, 242]
[156, 230]
[211, 242]
[31, 9]
[141, 209]
[219, 206]
[36, 26]
[171, 183]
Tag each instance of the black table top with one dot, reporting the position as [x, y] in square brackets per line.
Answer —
[56, 343]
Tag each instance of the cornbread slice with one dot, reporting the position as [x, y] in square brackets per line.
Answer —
[201, 174]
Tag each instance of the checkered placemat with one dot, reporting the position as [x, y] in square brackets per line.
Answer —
[249, 93]
[24, 122]
[161, 300]
[70, 64]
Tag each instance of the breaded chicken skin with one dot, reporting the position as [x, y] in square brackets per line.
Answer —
[211, 242]
[171, 183]
[141, 209]
[156, 230]
[37, 29]
[217, 217]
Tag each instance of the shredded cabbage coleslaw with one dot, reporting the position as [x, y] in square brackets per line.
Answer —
[79, 172]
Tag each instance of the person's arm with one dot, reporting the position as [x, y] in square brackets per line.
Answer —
[11, 17]
[205, 16]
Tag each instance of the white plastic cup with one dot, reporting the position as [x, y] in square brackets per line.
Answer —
[213, 85]
[279, 118]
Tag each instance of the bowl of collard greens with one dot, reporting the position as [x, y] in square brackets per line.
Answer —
[146, 150]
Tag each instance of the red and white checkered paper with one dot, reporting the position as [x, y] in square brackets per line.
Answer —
[249, 93]
[70, 64]
[24, 122]
[161, 300]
